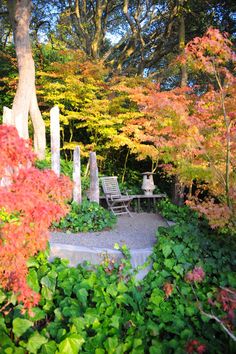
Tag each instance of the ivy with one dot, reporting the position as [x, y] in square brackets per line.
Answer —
[102, 309]
[88, 216]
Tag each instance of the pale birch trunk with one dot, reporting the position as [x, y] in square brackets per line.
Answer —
[94, 181]
[55, 139]
[7, 116]
[25, 100]
[77, 176]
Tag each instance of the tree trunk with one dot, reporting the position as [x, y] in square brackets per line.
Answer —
[25, 100]
[77, 176]
[7, 116]
[39, 126]
[178, 192]
[96, 43]
[184, 74]
[94, 180]
[55, 139]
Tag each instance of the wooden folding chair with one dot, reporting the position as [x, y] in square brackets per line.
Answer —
[117, 203]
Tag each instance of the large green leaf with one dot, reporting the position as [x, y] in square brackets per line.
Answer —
[91, 317]
[166, 249]
[13, 349]
[111, 344]
[2, 324]
[20, 326]
[32, 262]
[79, 323]
[49, 348]
[115, 321]
[35, 342]
[169, 263]
[49, 280]
[178, 250]
[112, 290]
[2, 296]
[5, 340]
[71, 345]
[32, 280]
[99, 351]
[47, 294]
[179, 269]
[122, 288]
[82, 295]
[53, 328]
[127, 300]
[38, 314]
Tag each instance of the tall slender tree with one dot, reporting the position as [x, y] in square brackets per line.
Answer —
[184, 74]
[178, 193]
[25, 101]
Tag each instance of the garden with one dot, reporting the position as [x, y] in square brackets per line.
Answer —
[142, 88]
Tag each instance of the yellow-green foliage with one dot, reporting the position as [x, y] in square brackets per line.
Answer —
[92, 110]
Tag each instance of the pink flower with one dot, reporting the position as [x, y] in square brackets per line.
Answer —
[194, 346]
[196, 275]
[201, 349]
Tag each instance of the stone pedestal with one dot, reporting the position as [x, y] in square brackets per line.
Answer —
[148, 183]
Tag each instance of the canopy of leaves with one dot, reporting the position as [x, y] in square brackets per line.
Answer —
[192, 130]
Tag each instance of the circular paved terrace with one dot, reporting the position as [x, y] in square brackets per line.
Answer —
[137, 232]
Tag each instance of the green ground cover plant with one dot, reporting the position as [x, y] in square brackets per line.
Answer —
[175, 213]
[102, 309]
[195, 269]
[88, 216]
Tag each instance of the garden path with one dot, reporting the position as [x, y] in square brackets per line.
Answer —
[137, 232]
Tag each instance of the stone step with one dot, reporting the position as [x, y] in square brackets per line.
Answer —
[79, 254]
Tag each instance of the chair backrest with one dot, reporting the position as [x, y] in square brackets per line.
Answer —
[110, 186]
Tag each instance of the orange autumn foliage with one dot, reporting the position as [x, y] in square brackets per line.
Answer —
[192, 131]
[32, 199]
[168, 289]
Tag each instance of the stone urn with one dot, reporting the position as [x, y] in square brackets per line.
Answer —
[148, 185]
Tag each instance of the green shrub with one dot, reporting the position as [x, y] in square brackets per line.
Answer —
[176, 319]
[175, 213]
[88, 216]
[81, 310]
[43, 164]
[101, 309]
[66, 167]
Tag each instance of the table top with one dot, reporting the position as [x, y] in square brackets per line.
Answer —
[142, 196]
[160, 195]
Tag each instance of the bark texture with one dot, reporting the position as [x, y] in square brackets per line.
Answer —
[179, 187]
[55, 139]
[94, 180]
[77, 197]
[25, 101]
[184, 73]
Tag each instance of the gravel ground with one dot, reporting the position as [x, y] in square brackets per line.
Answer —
[137, 232]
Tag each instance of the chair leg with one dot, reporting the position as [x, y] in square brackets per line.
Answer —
[123, 209]
[126, 206]
[129, 212]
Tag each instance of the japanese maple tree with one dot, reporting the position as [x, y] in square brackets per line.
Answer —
[215, 119]
[30, 200]
[192, 130]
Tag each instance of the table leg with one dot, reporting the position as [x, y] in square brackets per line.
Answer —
[139, 205]
[149, 205]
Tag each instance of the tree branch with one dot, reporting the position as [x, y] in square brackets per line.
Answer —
[213, 317]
